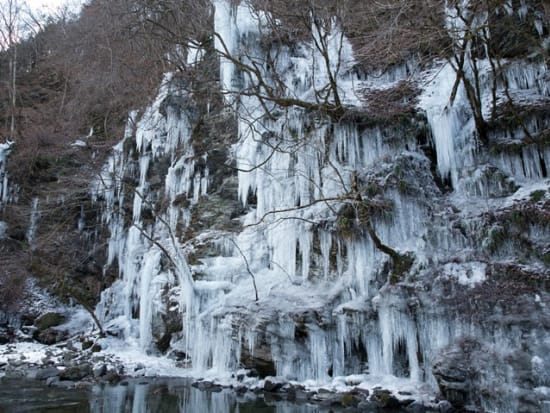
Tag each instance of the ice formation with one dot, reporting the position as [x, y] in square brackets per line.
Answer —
[325, 308]
[5, 149]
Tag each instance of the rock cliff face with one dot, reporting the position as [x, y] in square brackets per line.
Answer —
[305, 234]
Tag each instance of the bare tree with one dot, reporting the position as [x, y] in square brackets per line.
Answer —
[319, 24]
[492, 31]
[10, 13]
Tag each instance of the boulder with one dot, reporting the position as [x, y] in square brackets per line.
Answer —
[77, 372]
[416, 407]
[385, 399]
[5, 336]
[112, 376]
[52, 381]
[349, 399]
[203, 385]
[46, 373]
[99, 370]
[295, 391]
[48, 320]
[49, 336]
[272, 385]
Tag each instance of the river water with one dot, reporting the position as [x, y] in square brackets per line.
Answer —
[136, 396]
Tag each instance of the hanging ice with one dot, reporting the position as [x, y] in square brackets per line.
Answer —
[5, 149]
[327, 306]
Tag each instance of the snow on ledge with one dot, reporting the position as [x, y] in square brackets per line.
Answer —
[469, 274]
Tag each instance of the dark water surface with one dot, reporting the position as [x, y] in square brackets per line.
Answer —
[150, 395]
[137, 396]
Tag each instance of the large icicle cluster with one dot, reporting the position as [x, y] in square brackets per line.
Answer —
[452, 123]
[133, 300]
[326, 305]
[297, 167]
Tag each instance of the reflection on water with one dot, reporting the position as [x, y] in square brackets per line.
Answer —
[135, 396]
[178, 396]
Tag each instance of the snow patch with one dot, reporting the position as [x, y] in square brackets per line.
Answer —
[469, 274]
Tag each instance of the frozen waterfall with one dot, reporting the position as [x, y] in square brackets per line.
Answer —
[327, 308]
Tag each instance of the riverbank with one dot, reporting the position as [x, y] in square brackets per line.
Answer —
[146, 395]
[68, 365]
[78, 358]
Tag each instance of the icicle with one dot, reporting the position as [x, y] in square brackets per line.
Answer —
[397, 328]
[452, 131]
[225, 38]
[326, 245]
[147, 293]
[81, 219]
[320, 362]
[525, 165]
[140, 194]
[5, 149]
[361, 262]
